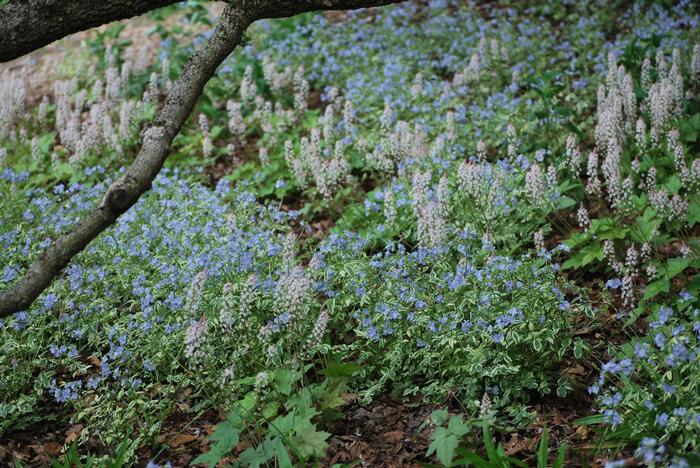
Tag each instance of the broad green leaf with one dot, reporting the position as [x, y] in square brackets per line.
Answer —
[340, 369]
[693, 213]
[675, 266]
[457, 426]
[225, 438]
[439, 416]
[283, 379]
[310, 442]
[443, 445]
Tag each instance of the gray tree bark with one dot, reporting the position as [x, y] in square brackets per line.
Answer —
[157, 138]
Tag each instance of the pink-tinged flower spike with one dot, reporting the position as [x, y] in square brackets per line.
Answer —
[535, 184]
[292, 290]
[152, 91]
[538, 239]
[236, 125]
[207, 145]
[318, 330]
[675, 148]
[248, 90]
[573, 155]
[349, 116]
[12, 101]
[481, 151]
[194, 295]
[417, 86]
[646, 74]
[301, 92]
[227, 317]
[640, 134]
[695, 64]
[512, 142]
[389, 206]
[582, 217]
[44, 109]
[195, 339]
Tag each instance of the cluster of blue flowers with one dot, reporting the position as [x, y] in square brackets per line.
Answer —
[650, 388]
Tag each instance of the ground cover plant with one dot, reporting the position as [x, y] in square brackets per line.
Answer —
[439, 232]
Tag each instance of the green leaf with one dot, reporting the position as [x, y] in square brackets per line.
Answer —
[283, 380]
[673, 184]
[225, 438]
[283, 460]
[310, 442]
[543, 449]
[340, 369]
[563, 111]
[457, 426]
[284, 424]
[590, 420]
[488, 441]
[565, 202]
[646, 226]
[537, 345]
[675, 266]
[657, 287]
[693, 214]
[443, 445]
[470, 457]
[439, 416]
[559, 462]
[254, 457]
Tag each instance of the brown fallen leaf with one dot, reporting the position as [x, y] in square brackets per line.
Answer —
[576, 369]
[52, 448]
[94, 360]
[71, 437]
[182, 439]
[72, 433]
[394, 437]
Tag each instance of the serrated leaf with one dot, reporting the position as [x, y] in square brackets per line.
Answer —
[675, 266]
[283, 459]
[225, 438]
[443, 445]
[310, 442]
[254, 457]
[457, 426]
[340, 369]
[439, 416]
[283, 380]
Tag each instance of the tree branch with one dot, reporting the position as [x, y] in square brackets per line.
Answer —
[27, 25]
[157, 138]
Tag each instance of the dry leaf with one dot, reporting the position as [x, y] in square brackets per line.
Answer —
[394, 437]
[182, 439]
[576, 369]
[52, 448]
[71, 437]
[582, 432]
